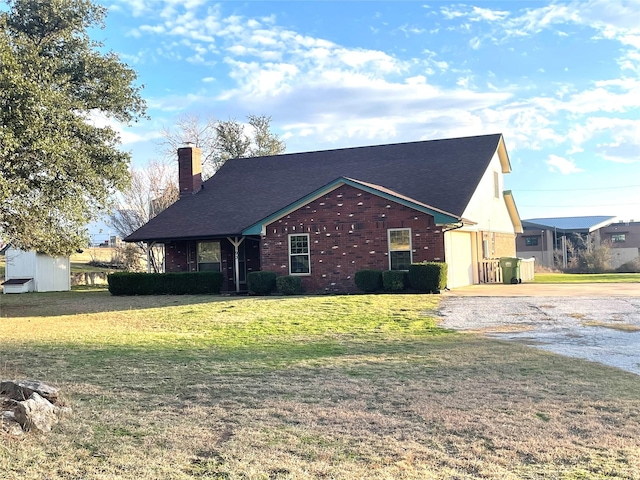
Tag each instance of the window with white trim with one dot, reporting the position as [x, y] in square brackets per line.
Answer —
[299, 255]
[208, 256]
[496, 184]
[400, 252]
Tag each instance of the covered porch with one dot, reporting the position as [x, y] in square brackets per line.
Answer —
[234, 256]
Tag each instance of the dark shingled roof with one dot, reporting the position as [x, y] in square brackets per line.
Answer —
[440, 173]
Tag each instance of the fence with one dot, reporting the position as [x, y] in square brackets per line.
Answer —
[89, 278]
[490, 271]
[527, 268]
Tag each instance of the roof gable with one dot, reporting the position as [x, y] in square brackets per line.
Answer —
[440, 217]
[440, 174]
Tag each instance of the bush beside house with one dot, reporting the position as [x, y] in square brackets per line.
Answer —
[261, 283]
[426, 277]
[394, 280]
[184, 283]
[369, 281]
[289, 285]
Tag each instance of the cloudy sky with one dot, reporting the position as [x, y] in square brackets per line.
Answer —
[560, 80]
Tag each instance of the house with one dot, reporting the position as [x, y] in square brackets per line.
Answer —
[324, 215]
[547, 239]
[29, 271]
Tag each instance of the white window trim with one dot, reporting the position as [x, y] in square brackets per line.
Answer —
[308, 254]
[389, 244]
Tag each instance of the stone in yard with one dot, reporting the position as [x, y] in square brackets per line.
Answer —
[36, 413]
[22, 389]
[9, 424]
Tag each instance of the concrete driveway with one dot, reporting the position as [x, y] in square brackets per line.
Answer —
[597, 322]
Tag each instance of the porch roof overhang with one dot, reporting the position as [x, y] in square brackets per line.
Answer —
[440, 216]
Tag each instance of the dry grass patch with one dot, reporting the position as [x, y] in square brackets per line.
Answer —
[623, 327]
[317, 387]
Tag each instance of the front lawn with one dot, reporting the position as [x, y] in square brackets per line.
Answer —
[587, 278]
[345, 387]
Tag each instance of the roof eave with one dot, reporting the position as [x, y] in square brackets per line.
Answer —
[505, 163]
[513, 211]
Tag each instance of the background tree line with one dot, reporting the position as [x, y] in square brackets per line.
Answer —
[154, 187]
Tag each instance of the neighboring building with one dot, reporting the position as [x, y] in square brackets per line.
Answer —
[546, 238]
[35, 272]
[325, 215]
[623, 240]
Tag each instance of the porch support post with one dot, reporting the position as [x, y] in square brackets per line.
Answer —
[236, 243]
[149, 247]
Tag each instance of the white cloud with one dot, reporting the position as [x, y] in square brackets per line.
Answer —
[126, 134]
[318, 88]
[488, 15]
[619, 138]
[562, 165]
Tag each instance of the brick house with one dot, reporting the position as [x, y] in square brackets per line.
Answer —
[325, 215]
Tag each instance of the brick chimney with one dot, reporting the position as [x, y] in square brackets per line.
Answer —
[189, 170]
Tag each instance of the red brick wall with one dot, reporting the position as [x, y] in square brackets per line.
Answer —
[348, 232]
[189, 170]
[176, 257]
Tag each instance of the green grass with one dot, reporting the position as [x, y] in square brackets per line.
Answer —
[587, 278]
[363, 386]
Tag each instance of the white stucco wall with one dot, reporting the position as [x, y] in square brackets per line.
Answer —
[490, 213]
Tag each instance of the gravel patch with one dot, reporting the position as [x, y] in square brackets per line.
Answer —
[605, 330]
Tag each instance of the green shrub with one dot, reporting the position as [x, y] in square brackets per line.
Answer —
[289, 285]
[394, 280]
[178, 283]
[369, 281]
[428, 277]
[261, 283]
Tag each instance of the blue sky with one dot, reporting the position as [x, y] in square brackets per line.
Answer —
[560, 80]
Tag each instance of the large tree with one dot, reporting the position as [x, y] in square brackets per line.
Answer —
[57, 168]
[222, 140]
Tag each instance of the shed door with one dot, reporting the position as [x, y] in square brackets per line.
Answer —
[459, 257]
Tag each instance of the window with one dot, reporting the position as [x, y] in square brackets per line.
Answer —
[618, 238]
[399, 248]
[299, 257]
[208, 256]
[531, 241]
[496, 184]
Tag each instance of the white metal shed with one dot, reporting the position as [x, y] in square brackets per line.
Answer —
[35, 272]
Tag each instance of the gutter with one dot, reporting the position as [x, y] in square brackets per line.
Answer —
[454, 226]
